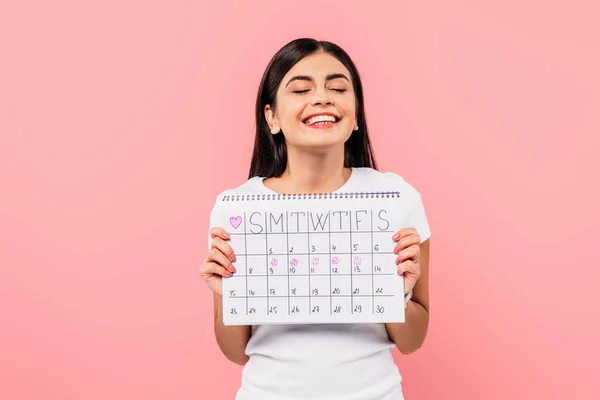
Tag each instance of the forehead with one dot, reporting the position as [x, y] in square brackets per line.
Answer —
[318, 66]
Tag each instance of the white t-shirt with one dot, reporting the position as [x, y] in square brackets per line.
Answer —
[329, 361]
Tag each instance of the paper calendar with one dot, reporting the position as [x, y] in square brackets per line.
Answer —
[312, 258]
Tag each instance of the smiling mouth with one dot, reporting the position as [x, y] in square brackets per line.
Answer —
[321, 120]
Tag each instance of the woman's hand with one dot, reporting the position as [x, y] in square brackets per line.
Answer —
[409, 252]
[218, 262]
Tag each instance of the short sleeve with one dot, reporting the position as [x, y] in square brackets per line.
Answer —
[415, 216]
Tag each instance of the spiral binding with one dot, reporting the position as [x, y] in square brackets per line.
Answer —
[310, 196]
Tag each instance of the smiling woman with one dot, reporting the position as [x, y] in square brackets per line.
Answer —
[311, 137]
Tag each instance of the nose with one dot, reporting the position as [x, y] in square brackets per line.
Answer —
[322, 97]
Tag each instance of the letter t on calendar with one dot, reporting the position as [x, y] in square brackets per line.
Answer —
[321, 258]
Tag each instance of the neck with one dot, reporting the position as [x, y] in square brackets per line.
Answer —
[308, 172]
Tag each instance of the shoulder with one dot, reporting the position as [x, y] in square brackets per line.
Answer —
[252, 185]
[372, 179]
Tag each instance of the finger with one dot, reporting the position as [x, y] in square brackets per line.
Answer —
[216, 269]
[215, 255]
[406, 266]
[404, 232]
[217, 231]
[407, 241]
[224, 247]
[413, 252]
[410, 267]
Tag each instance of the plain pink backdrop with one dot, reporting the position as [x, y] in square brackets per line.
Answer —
[121, 120]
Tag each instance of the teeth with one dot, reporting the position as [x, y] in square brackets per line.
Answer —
[320, 118]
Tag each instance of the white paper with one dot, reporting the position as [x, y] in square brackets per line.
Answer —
[317, 260]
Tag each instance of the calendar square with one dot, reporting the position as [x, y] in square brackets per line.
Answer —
[277, 265]
[256, 244]
[256, 265]
[299, 286]
[320, 306]
[297, 245]
[236, 287]
[341, 264]
[339, 243]
[362, 305]
[341, 285]
[362, 285]
[277, 245]
[256, 286]
[237, 243]
[318, 244]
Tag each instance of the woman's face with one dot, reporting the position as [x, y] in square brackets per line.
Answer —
[317, 86]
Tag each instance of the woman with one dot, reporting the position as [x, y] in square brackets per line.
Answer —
[311, 137]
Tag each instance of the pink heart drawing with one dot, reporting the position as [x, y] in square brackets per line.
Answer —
[235, 221]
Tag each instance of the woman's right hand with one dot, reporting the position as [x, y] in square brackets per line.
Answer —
[218, 262]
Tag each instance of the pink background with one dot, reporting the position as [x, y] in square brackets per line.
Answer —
[121, 120]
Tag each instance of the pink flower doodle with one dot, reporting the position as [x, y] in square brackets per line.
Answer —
[335, 260]
[294, 262]
[357, 260]
[274, 262]
[315, 262]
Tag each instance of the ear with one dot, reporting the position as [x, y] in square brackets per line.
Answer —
[271, 119]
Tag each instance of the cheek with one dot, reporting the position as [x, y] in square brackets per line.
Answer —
[291, 113]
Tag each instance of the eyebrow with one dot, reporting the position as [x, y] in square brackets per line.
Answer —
[310, 78]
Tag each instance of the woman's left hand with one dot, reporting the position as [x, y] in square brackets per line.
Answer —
[409, 252]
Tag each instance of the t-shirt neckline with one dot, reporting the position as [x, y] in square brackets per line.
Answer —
[343, 187]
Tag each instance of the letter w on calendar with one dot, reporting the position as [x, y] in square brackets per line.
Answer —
[312, 258]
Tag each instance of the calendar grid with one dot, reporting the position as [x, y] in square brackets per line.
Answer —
[296, 271]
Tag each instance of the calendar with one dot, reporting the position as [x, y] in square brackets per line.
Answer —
[312, 258]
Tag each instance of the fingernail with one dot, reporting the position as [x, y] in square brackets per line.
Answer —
[232, 257]
[396, 236]
[233, 268]
[225, 235]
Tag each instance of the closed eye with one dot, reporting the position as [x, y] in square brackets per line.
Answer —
[304, 91]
